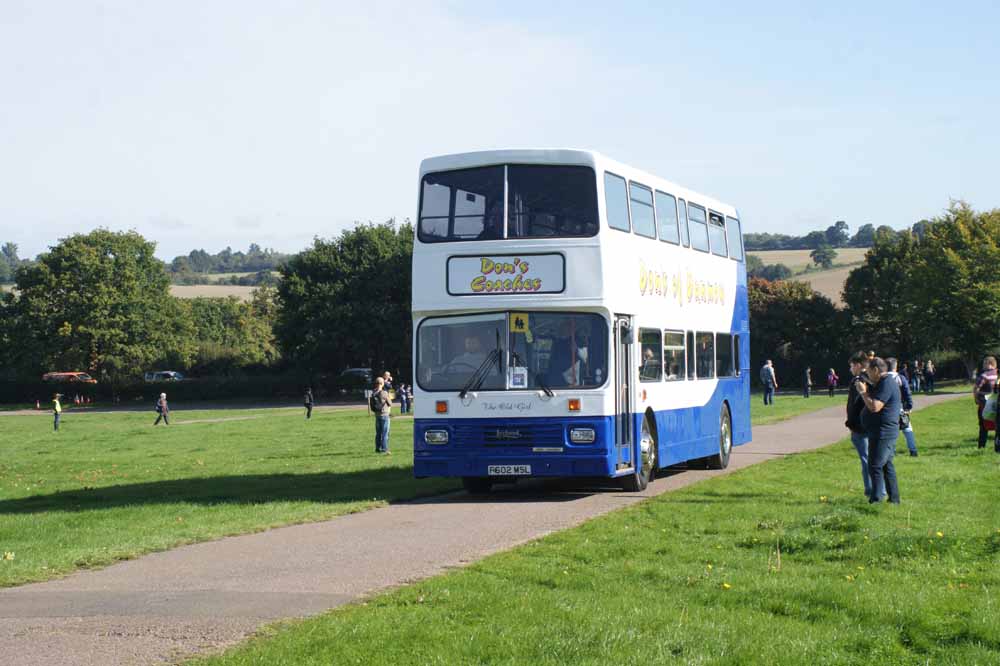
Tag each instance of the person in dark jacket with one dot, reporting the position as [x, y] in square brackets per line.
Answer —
[855, 406]
[883, 405]
[907, 404]
[307, 402]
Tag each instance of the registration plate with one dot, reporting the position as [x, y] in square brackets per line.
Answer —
[508, 470]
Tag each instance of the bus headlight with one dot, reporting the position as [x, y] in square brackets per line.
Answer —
[436, 436]
[582, 435]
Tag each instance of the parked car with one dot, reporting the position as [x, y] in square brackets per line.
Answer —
[68, 378]
[164, 376]
[364, 374]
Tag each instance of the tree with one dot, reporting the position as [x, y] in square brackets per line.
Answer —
[864, 237]
[97, 302]
[823, 256]
[794, 326]
[814, 239]
[346, 302]
[836, 235]
[233, 334]
[957, 294]
[881, 311]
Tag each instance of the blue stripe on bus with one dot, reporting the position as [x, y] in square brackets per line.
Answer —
[476, 443]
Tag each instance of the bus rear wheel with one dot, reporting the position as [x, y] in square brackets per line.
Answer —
[645, 472]
[720, 460]
[477, 485]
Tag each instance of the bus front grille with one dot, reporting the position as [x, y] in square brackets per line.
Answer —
[494, 434]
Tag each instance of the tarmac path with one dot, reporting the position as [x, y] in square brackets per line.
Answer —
[166, 606]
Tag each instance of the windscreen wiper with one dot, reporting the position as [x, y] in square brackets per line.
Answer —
[498, 356]
[479, 376]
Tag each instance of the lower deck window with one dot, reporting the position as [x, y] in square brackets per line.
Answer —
[705, 355]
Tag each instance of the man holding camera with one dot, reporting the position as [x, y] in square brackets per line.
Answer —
[881, 420]
[855, 407]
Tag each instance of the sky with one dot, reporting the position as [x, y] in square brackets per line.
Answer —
[206, 125]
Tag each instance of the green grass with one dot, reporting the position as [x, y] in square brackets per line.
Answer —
[787, 406]
[695, 577]
[110, 486]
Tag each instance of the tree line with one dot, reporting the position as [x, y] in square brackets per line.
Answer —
[836, 235]
[100, 302]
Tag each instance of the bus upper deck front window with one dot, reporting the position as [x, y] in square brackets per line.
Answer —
[543, 200]
[549, 200]
[466, 204]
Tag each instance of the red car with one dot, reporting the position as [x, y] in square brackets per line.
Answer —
[69, 377]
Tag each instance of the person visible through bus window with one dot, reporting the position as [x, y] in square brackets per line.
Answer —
[986, 383]
[881, 419]
[569, 354]
[471, 357]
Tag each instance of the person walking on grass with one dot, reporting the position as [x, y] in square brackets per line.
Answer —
[986, 383]
[307, 401]
[162, 410]
[929, 376]
[881, 419]
[855, 408]
[807, 382]
[906, 401]
[56, 411]
[831, 381]
[381, 405]
[769, 380]
[404, 398]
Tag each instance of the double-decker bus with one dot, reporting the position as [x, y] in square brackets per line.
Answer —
[573, 317]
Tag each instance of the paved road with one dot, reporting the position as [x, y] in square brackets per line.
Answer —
[164, 606]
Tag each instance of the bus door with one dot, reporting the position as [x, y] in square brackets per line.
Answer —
[624, 434]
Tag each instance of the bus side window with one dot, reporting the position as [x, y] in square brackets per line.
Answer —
[673, 356]
[682, 216]
[735, 238]
[705, 355]
[724, 349]
[666, 215]
[717, 234]
[616, 201]
[643, 222]
[690, 355]
[698, 227]
[651, 364]
[736, 355]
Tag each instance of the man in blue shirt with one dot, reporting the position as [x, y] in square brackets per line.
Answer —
[881, 421]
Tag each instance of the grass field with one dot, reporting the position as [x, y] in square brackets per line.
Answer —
[797, 260]
[781, 563]
[787, 406]
[110, 486]
[211, 290]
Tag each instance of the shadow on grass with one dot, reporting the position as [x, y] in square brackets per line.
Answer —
[391, 484]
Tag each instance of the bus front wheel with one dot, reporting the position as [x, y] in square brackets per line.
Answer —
[720, 460]
[477, 485]
[645, 471]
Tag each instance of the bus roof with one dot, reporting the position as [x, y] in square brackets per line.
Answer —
[568, 156]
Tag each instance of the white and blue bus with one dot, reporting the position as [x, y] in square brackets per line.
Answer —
[573, 317]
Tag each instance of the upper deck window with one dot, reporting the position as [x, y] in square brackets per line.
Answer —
[543, 201]
[682, 218]
[551, 201]
[717, 234]
[643, 222]
[466, 204]
[698, 226]
[616, 198]
[666, 215]
[735, 238]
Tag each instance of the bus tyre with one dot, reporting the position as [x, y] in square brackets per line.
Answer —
[477, 485]
[720, 460]
[646, 471]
